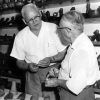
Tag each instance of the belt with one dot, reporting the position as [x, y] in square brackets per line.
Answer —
[60, 88]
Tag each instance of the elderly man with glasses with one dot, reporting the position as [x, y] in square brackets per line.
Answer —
[36, 47]
[79, 69]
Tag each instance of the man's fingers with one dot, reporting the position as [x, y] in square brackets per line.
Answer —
[43, 65]
[34, 69]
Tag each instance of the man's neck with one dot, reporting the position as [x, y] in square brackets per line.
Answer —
[36, 32]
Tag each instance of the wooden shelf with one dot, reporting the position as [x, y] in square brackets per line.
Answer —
[96, 90]
[96, 43]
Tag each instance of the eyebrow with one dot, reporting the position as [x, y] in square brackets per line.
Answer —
[33, 18]
[63, 28]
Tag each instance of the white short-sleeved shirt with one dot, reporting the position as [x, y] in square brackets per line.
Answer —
[31, 48]
[80, 67]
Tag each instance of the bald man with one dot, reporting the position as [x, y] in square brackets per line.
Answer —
[36, 47]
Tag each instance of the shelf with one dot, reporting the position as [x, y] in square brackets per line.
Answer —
[96, 43]
[96, 90]
[92, 20]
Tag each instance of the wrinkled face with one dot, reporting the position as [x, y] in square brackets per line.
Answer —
[33, 19]
[64, 32]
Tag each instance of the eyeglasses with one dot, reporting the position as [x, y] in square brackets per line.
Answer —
[35, 19]
[67, 28]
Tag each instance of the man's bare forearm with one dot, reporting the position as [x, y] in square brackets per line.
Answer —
[59, 57]
[22, 64]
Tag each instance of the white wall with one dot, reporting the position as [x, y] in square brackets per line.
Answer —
[80, 5]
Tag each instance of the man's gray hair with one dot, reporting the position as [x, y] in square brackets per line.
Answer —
[76, 18]
[29, 6]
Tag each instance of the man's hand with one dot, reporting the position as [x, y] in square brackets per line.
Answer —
[44, 62]
[33, 67]
[53, 82]
[53, 73]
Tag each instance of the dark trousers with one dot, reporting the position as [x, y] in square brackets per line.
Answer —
[34, 82]
[86, 94]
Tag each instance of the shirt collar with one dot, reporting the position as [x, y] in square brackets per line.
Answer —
[77, 40]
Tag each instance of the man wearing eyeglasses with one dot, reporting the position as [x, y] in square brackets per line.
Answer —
[79, 69]
[34, 48]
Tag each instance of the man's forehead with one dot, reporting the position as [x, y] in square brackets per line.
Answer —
[65, 22]
[31, 13]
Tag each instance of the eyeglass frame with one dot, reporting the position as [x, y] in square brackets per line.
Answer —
[64, 28]
[32, 19]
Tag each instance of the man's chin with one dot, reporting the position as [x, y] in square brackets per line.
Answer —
[66, 43]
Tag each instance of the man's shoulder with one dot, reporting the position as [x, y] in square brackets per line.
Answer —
[22, 32]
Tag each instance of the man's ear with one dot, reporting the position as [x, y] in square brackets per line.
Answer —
[24, 21]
